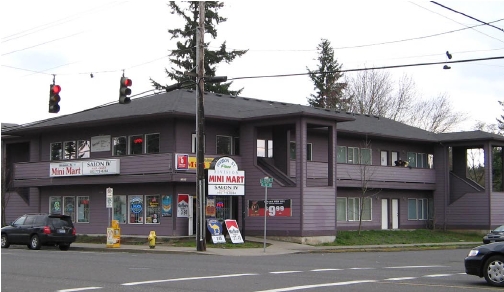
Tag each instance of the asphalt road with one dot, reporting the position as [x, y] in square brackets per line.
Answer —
[53, 270]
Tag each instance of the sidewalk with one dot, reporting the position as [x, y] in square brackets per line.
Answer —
[273, 248]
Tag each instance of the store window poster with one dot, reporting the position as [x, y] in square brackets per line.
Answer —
[166, 206]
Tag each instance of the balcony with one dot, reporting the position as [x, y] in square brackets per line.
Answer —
[351, 175]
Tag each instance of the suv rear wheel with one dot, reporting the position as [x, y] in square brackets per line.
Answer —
[5, 241]
[34, 242]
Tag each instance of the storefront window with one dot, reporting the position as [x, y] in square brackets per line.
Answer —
[223, 207]
[55, 205]
[136, 208]
[69, 207]
[153, 209]
[166, 207]
[120, 209]
[83, 209]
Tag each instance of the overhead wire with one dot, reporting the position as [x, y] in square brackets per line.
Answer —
[473, 18]
[372, 68]
[56, 22]
[457, 22]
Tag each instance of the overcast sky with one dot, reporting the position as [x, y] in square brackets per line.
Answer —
[74, 39]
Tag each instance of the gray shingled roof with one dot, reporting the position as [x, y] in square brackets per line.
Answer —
[218, 106]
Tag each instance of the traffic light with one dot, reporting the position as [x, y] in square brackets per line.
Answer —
[124, 90]
[54, 98]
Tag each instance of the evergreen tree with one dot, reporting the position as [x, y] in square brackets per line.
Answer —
[501, 120]
[329, 92]
[184, 57]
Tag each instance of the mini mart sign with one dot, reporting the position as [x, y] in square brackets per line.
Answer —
[225, 179]
[88, 167]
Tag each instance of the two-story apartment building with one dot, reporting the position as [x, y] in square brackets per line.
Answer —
[330, 169]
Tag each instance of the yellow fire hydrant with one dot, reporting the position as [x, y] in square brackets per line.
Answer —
[152, 239]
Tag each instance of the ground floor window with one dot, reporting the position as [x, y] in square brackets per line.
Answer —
[349, 209]
[419, 209]
[75, 207]
[83, 209]
[144, 209]
[120, 209]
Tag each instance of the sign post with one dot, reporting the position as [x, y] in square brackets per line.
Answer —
[266, 183]
[109, 202]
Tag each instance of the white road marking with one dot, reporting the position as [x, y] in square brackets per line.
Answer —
[400, 279]
[79, 289]
[185, 279]
[361, 268]
[437, 275]
[415, 267]
[285, 272]
[318, 286]
[323, 270]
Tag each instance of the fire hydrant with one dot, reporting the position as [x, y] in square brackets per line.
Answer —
[152, 239]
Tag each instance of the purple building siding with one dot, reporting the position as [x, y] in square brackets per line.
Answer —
[497, 209]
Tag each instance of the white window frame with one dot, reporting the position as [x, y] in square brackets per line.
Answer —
[344, 155]
[421, 209]
[354, 215]
[77, 213]
[194, 144]
[355, 155]
[342, 200]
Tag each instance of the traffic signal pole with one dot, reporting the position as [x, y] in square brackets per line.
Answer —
[200, 131]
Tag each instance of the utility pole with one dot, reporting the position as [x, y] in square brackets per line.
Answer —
[200, 131]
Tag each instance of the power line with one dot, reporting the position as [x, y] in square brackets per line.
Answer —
[51, 24]
[468, 16]
[372, 68]
[15, 51]
[457, 22]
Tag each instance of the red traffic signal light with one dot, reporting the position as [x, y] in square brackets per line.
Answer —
[124, 90]
[54, 98]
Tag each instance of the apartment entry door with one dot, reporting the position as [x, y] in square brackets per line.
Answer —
[390, 212]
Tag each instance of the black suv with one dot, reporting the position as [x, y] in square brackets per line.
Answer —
[36, 230]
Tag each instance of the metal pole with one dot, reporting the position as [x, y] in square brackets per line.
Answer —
[200, 130]
[265, 212]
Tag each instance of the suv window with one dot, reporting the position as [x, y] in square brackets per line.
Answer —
[30, 219]
[19, 221]
[57, 222]
[39, 220]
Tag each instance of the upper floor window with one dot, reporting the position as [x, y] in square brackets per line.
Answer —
[264, 148]
[70, 150]
[309, 151]
[56, 151]
[224, 145]
[135, 144]
[353, 155]
[152, 143]
[342, 154]
[366, 156]
[119, 146]
[420, 160]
